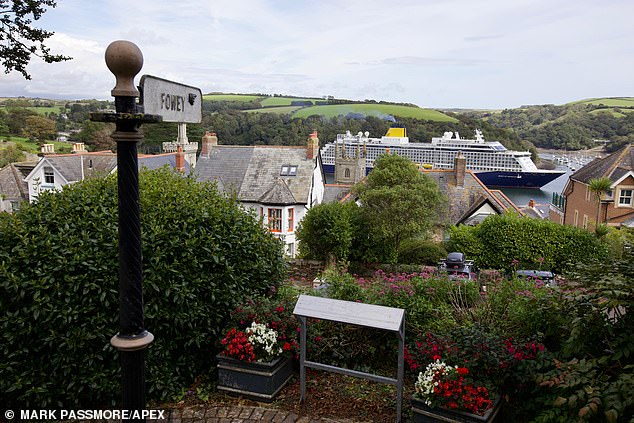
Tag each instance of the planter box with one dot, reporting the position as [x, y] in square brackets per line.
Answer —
[422, 413]
[257, 381]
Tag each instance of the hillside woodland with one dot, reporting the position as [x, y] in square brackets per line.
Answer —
[571, 126]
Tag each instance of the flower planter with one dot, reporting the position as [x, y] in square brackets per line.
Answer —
[257, 381]
[422, 413]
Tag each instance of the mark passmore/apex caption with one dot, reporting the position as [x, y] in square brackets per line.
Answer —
[89, 414]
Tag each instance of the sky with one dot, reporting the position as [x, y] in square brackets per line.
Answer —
[486, 54]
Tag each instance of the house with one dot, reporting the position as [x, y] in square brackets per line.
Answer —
[279, 183]
[578, 206]
[13, 188]
[470, 201]
[54, 171]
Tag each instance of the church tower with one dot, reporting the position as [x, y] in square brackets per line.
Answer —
[350, 162]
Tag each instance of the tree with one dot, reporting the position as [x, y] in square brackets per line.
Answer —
[398, 202]
[599, 186]
[10, 155]
[19, 39]
[327, 231]
[39, 128]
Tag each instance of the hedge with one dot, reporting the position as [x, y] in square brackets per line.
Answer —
[202, 254]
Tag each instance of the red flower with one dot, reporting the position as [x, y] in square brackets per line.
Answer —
[286, 347]
[462, 371]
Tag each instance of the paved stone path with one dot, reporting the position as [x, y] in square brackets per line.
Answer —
[238, 414]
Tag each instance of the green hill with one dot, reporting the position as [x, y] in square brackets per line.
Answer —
[316, 106]
[608, 101]
[376, 110]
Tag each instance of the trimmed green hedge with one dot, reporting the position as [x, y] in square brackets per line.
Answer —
[506, 241]
[59, 306]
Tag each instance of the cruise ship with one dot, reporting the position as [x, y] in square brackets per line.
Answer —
[494, 165]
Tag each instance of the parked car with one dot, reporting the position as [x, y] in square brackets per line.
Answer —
[546, 276]
[455, 266]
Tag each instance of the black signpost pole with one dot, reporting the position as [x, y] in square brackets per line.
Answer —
[124, 59]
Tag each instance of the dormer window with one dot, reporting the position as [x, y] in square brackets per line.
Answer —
[292, 171]
[284, 171]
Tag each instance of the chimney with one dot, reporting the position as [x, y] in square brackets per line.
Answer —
[48, 149]
[79, 147]
[312, 147]
[460, 168]
[180, 160]
[209, 140]
[531, 203]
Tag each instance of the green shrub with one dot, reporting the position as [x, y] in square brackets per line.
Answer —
[327, 231]
[59, 287]
[419, 251]
[594, 377]
[507, 241]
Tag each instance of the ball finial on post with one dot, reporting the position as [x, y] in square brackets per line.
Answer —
[125, 60]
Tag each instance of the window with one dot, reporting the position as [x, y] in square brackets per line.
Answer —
[49, 176]
[625, 197]
[576, 222]
[585, 221]
[347, 173]
[288, 170]
[275, 220]
[291, 219]
[15, 206]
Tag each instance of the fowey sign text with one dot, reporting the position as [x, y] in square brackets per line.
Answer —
[173, 101]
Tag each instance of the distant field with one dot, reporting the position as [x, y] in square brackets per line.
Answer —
[610, 111]
[284, 101]
[231, 97]
[378, 110]
[610, 102]
[40, 110]
[285, 110]
[30, 147]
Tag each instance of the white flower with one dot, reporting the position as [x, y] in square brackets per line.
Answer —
[425, 382]
[262, 337]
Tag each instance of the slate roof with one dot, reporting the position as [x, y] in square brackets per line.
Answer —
[70, 165]
[613, 166]
[12, 183]
[335, 192]
[468, 198]
[156, 161]
[254, 172]
[101, 163]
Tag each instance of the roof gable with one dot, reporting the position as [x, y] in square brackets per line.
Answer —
[12, 184]
[469, 197]
[278, 193]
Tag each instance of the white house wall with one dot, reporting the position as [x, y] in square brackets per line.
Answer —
[318, 188]
[35, 181]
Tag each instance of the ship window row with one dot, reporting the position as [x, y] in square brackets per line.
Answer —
[475, 160]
